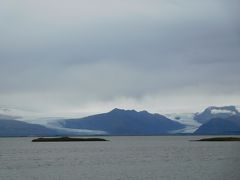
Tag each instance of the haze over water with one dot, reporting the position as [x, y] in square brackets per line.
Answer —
[122, 158]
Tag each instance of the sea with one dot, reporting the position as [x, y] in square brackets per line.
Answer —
[120, 158]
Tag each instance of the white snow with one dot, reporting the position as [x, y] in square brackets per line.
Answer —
[218, 111]
[238, 108]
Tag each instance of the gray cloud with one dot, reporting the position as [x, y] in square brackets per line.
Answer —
[70, 55]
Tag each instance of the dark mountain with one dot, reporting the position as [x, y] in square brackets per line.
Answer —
[216, 112]
[230, 125]
[18, 128]
[125, 122]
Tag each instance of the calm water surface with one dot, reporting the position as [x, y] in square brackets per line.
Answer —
[122, 158]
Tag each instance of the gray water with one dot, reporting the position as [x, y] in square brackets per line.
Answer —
[122, 158]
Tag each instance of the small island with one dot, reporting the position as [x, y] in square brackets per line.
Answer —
[66, 139]
[220, 139]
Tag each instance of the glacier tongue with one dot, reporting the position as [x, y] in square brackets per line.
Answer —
[184, 118]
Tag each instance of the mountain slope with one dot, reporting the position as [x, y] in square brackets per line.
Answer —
[216, 112]
[230, 125]
[125, 122]
[16, 128]
[19, 128]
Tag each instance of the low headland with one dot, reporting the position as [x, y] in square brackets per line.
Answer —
[220, 139]
[66, 139]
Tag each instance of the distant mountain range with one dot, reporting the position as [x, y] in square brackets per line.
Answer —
[125, 122]
[213, 120]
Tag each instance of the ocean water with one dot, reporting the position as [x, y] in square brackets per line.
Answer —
[121, 158]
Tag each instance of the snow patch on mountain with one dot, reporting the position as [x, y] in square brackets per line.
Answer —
[238, 108]
[217, 111]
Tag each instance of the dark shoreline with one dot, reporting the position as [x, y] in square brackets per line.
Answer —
[220, 139]
[66, 139]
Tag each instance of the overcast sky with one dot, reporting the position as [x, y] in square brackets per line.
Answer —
[81, 56]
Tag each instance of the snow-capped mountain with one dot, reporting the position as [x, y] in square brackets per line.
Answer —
[216, 112]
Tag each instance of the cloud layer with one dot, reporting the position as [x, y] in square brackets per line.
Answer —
[89, 56]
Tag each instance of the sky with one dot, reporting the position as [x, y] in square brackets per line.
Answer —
[64, 57]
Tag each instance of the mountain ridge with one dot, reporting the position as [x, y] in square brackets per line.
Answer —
[125, 122]
[129, 122]
[230, 125]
